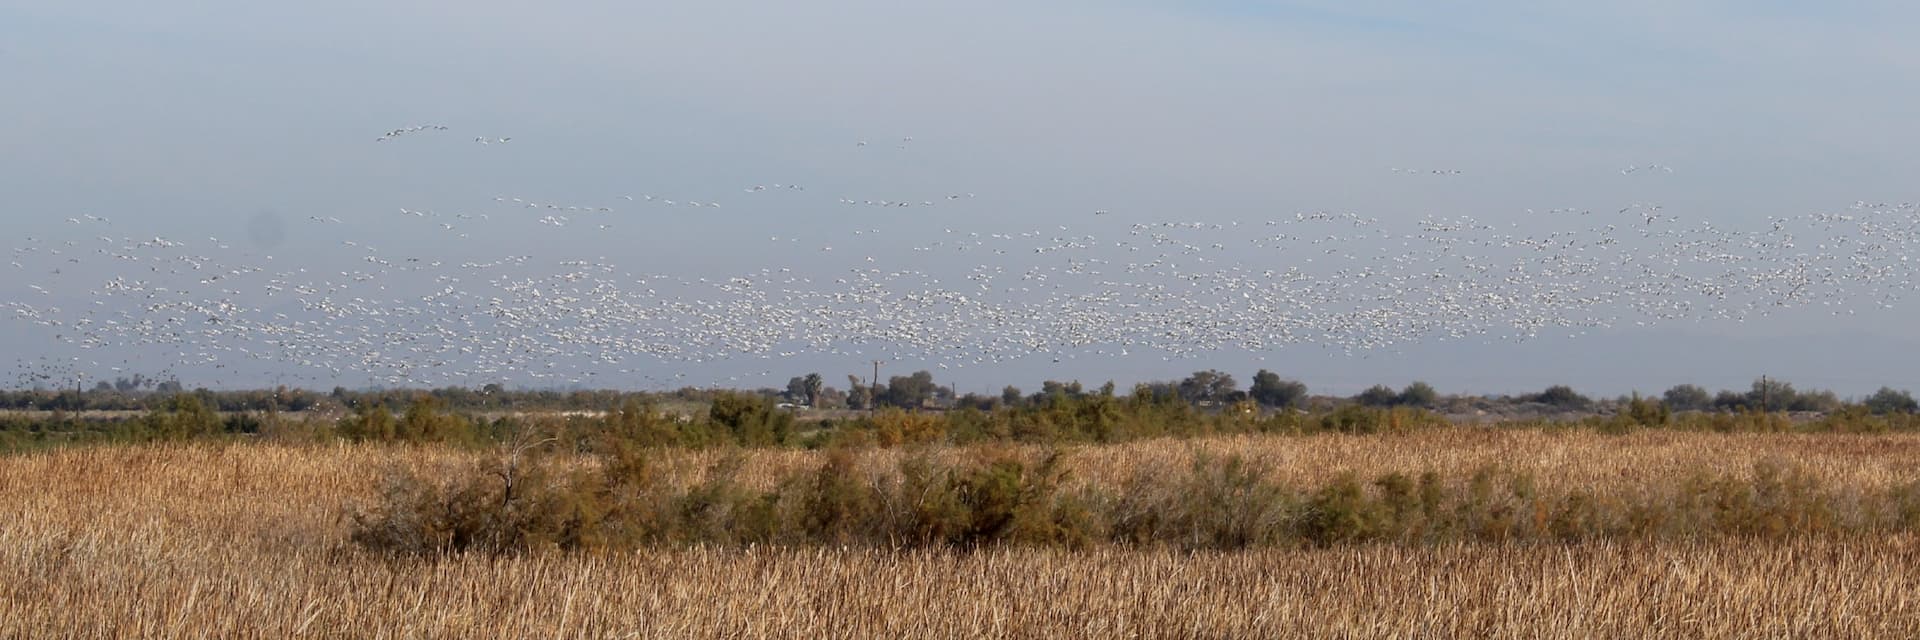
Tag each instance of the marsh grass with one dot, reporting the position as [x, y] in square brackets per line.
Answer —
[1809, 537]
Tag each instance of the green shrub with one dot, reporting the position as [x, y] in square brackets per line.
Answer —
[1404, 507]
[534, 500]
[1786, 500]
[182, 416]
[640, 422]
[1002, 499]
[1646, 412]
[519, 506]
[999, 498]
[1357, 419]
[1341, 512]
[837, 507]
[751, 420]
[1577, 516]
[1221, 503]
[711, 510]
[423, 421]
[932, 511]
[1902, 507]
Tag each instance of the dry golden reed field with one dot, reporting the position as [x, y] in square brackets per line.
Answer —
[252, 541]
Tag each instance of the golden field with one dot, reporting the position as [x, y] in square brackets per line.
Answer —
[250, 540]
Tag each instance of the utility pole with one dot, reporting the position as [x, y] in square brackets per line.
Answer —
[873, 390]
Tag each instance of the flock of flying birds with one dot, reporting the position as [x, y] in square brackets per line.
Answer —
[1085, 284]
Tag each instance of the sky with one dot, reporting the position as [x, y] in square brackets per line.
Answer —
[245, 120]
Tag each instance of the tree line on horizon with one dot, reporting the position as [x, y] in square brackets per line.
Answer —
[919, 391]
[1202, 405]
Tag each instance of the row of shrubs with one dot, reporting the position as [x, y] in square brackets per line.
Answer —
[530, 502]
[178, 417]
[750, 421]
[738, 419]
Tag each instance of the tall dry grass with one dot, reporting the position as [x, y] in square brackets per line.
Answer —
[249, 541]
[1558, 459]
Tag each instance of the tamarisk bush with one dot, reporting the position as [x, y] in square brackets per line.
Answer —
[533, 499]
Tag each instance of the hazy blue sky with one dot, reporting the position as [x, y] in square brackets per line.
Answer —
[189, 119]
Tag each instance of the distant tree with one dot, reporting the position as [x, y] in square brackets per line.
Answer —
[1378, 395]
[1769, 394]
[1419, 394]
[425, 422]
[859, 395]
[813, 384]
[977, 402]
[1011, 396]
[1888, 400]
[1157, 393]
[1207, 386]
[1054, 392]
[796, 390]
[909, 392]
[1688, 397]
[1646, 412]
[370, 421]
[298, 400]
[1562, 397]
[830, 398]
[184, 415]
[1271, 391]
[1819, 401]
[1730, 401]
